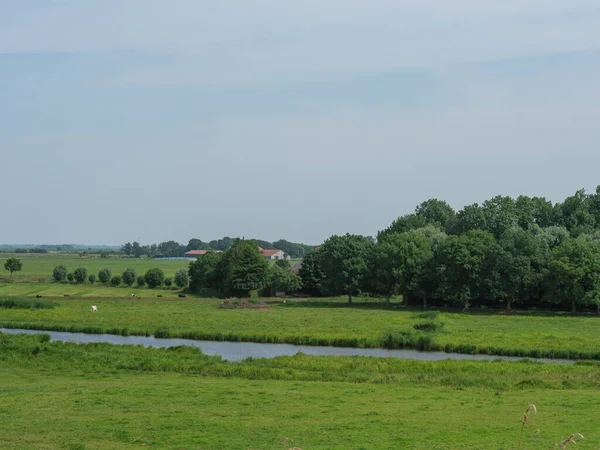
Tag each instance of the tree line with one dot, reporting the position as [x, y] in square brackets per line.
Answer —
[504, 252]
[153, 278]
[173, 249]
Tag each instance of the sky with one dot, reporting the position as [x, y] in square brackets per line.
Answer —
[150, 120]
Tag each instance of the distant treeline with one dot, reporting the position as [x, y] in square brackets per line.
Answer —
[172, 249]
[61, 248]
[504, 252]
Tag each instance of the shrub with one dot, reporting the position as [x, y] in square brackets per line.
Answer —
[129, 277]
[80, 275]
[429, 325]
[70, 277]
[140, 281]
[59, 274]
[104, 275]
[92, 278]
[182, 278]
[154, 278]
[116, 280]
[168, 282]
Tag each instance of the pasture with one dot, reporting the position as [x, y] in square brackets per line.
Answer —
[38, 267]
[58, 395]
[367, 323]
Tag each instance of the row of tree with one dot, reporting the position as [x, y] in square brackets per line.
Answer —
[505, 252]
[172, 249]
[153, 278]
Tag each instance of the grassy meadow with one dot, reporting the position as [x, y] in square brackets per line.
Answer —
[39, 267]
[367, 323]
[56, 395]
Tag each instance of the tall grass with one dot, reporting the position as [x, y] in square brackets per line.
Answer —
[26, 303]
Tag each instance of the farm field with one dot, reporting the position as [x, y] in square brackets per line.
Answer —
[367, 323]
[58, 395]
[38, 267]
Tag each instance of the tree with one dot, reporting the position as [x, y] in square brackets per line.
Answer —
[59, 274]
[104, 275]
[197, 244]
[344, 263]
[204, 273]
[92, 278]
[436, 212]
[403, 224]
[127, 248]
[182, 279]
[129, 277]
[168, 282]
[243, 268]
[574, 275]
[116, 280]
[283, 263]
[282, 279]
[70, 277]
[171, 249]
[397, 261]
[137, 250]
[13, 265]
[141, 282]
[154, 278]
[311, 274]
[80, 275]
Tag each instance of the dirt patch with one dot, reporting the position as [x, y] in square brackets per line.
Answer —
[235, 303]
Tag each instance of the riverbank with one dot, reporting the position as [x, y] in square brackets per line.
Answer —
[57, 395]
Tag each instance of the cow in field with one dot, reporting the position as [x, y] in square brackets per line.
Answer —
[38, 296]
[94, 308]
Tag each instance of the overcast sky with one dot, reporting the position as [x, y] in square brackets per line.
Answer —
[157, 120]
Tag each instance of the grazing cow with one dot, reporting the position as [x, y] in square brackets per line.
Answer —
[159, 296]
[38, 296]
[94, 308]
[181, 295]
[133, 295]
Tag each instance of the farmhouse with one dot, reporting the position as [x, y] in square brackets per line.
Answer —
[273, 254]
[196, 253]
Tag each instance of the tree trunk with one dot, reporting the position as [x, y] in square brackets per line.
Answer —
[424, 302]
[10, 279]
[573, 307]
[349, 298]
[405, 299]
[508, 304]
[389, 303]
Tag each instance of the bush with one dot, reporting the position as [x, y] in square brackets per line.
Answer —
[80, 275]
[92, 278]
[182, 279]
[129, 277]
[59, 274]
[70, 277]
[116, 280]
[104, 276]
[140, 281]
[154, 278]
[168, 282]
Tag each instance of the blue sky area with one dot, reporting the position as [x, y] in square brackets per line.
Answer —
[153, 120]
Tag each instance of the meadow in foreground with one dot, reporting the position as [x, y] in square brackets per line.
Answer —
[58, 395]
[367, 323]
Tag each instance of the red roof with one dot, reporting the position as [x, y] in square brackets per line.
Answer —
[200, 252]
[269, 252]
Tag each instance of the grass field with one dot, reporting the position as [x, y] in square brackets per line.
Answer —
[98, 396]
[367, 323]
[80, 290]
[38, 267]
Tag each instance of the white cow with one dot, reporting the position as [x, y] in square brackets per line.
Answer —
[94, 308]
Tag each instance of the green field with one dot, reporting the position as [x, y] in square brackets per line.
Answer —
[38, 267]
[80, 290]
[57, 395]
[367, 323]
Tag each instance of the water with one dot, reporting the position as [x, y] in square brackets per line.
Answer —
[238, 351]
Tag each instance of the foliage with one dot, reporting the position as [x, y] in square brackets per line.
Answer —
[59, 274]
[243, 269]
[116, 280]
[70, 277]
[343, 260]
[182, 279]
[13, 265]
[80, 275]
[25, 303]
[311, 274]
[104, 275]
[154, 278]
[282, 279]
[141, 282]
[168, 282]
[129, 276]
[92, 278]
[204, 273]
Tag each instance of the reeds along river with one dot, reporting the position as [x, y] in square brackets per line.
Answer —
[238, 351]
